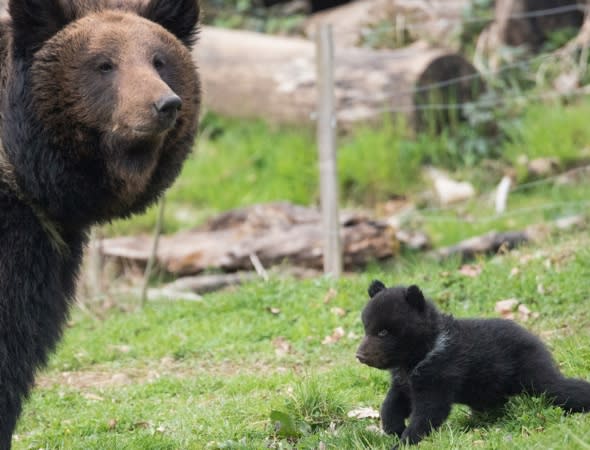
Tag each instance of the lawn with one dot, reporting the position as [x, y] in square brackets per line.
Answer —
[198, 375]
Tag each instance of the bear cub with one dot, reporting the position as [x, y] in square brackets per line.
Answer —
[436, 360]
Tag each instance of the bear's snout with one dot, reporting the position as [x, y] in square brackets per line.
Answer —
[362, 358]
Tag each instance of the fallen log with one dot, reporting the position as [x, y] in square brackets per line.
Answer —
[494, 242]
[275, 233]
[248, 74]
[488, 243]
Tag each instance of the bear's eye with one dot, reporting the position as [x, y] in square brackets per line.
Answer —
[158, 63]
[383, 333]
[106, 67]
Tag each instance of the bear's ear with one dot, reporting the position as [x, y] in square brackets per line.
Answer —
[179, 17]
[375, 287]
[36, 21]
[415, 298]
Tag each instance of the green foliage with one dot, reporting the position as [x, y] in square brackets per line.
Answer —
[388, 33]
[477, 15]
[377, 163]
[315, 403]
[253, 15]
[286, 426]
[557, 130]
[558, 38]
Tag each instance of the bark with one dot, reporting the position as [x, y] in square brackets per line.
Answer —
[275, 233]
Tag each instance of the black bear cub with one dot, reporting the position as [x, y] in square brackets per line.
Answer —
[436, 360]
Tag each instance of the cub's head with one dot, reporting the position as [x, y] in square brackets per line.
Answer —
[400, 324]
[113, 90]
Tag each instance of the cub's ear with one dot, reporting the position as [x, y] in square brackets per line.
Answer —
[36, 21]
[375, 287]
[179, 17]
[415, 298]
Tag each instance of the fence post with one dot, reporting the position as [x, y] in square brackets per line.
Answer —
[326, 139]
[152, 260]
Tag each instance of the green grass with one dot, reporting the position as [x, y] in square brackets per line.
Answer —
[539, 204]
[550, 130]
[181, 375]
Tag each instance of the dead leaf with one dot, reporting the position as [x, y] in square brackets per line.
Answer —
[506, 307]
[91, 396]
[524, 313]
[363, 412]
[112, 424]
[282, 346]
[340, 312]
[374, 429]
[470, 270]
[121, 348]
[352, 336]
[273, 310]
[330, 295]
[338, 334]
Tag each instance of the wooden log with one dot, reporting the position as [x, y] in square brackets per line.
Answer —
[275, 233]
[488, 243]
[248, 74]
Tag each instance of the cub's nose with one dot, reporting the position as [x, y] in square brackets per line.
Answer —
[361, 357]
[168, 105]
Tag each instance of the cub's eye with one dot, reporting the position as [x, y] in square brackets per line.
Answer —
[158, 63]
[106, 67]
[382, 333]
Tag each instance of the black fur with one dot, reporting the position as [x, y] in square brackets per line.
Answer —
[178, 17]
[55, 182]
[436, 360]
[34, 22]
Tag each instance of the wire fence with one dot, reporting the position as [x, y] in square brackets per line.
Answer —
[537, 59]
[548, 12]
[457, 212]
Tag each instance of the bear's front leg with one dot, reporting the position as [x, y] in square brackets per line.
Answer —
[396, 408]
[10, 406]
[430, 410]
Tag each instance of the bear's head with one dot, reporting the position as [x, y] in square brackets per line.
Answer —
[400, 327]
[101, 101]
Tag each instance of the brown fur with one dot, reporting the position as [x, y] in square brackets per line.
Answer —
[122, 112]
[99, 106]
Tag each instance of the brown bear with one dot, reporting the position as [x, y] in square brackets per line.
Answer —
[99, 109]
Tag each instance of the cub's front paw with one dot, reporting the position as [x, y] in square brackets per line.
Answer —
[393, 428]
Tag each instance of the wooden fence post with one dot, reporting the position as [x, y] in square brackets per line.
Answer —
[326, 138]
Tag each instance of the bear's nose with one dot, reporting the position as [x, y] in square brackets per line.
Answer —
[168, 105]
[361, 357]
